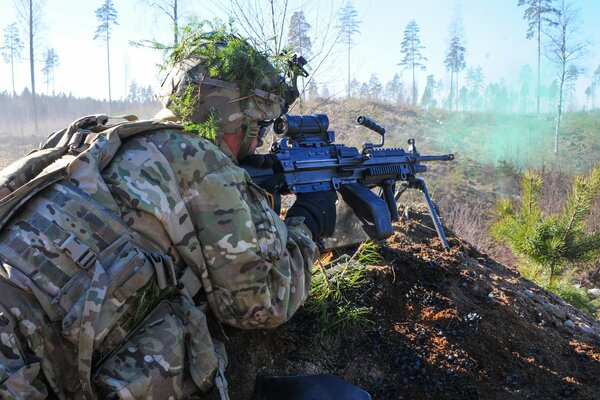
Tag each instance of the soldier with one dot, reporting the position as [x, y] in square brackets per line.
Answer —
[106, 274]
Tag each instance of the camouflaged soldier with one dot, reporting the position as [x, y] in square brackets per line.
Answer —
[107, 273]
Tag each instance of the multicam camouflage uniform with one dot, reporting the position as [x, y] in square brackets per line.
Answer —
[73, 275]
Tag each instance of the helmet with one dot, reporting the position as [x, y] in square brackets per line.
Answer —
[227, 80]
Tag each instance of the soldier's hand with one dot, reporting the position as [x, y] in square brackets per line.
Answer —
[318, 210]
[259, 160]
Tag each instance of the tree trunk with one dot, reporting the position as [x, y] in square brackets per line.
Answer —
[560, 104]
[348, 90]
[538, 61]
[414, 86]
[32, 68]
[175, 25]
[12, 69]
[108, 70]
[551, 276]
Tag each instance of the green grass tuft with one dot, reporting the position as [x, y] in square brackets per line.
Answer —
[329, 300]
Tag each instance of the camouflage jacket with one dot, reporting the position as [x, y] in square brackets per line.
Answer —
[191, 199]
[192, 219]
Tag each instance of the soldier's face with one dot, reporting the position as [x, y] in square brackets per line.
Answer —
[234, 142]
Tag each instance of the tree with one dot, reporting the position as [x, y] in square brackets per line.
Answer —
[354, 88]
[171, 9]
[298, 37]
[107, 16]
[134, 95]
[589, 95]
[455, 62]
[375, 87]
[475, 81]
[50, 62]
[348, 27]
[11, 49]
[29, 13]
[549, 242]
[455, 57]
[571, 77]
[411, 48]
[393, 90]
[428, 98]
[595, 84]
[525, 81]
[537, 14]
[564, 48]
[313, 90]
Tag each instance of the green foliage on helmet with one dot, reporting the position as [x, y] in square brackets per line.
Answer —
[228, 57]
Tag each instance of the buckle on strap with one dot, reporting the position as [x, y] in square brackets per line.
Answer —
[79, 252]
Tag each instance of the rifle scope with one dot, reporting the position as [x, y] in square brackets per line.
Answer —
[292, 125]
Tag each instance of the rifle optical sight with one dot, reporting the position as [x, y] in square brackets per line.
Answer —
[292, 125]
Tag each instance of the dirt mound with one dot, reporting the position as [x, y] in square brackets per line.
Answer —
[446, 325]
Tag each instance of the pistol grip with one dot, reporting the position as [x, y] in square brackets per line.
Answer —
[371, 209]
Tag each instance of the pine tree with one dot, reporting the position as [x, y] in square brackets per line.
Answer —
[413, 59]
[475, 82]
[11, 49]
[107, 16]
[393, 90]
[549, 242]
[595, 84]
[525, 81]
[375, 87]
[571, 77]
[348, 26]
[50, 63]
[455, 62]
[428, 98]
[537, 14]
[298, 37]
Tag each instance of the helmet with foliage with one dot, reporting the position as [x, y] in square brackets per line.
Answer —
[219, 83]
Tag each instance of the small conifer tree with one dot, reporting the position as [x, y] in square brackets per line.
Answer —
[550, 242]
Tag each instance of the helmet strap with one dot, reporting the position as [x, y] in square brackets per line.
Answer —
[250, 135]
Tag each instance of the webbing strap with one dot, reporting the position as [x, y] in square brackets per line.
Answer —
[90, 313]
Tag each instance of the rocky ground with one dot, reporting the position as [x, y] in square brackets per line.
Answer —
[450, 324]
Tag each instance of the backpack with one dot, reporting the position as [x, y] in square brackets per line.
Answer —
[98, 265]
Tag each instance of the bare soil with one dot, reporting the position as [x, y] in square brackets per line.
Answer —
[451, 324]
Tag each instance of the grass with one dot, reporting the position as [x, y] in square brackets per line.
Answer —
[330, 295]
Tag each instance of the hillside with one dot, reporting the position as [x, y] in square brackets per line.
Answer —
[445, 325]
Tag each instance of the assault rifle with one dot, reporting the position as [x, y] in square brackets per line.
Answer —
[307, 160]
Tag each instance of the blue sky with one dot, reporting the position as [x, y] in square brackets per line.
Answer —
[494, 33]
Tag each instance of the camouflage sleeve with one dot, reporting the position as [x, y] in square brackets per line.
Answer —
[259, 268]
[254, 268]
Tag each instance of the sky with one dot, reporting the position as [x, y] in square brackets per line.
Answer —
[494, 31]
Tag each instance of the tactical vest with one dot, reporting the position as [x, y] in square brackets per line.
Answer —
[87, 268]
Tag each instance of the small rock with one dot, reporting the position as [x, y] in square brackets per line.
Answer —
[594, 292]
[569, 324]
[586, 328]
[527, 293]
